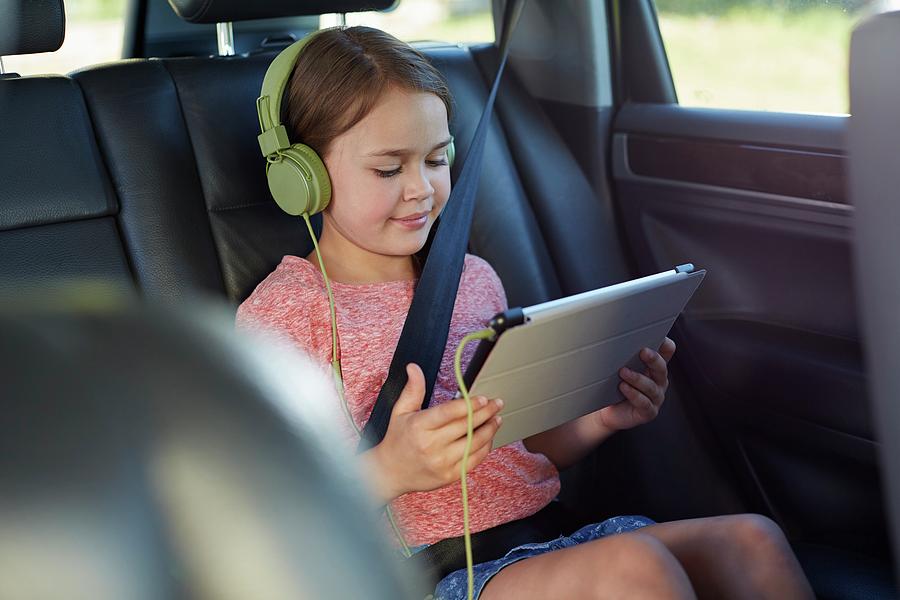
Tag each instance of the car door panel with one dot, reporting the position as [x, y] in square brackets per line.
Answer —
[770, 343]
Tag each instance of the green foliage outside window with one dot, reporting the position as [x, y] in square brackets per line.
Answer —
[720, 7]
[778, 55]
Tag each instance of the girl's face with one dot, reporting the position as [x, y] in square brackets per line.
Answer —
[390, 178]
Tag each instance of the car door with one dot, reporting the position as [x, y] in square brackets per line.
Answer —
[770, 344]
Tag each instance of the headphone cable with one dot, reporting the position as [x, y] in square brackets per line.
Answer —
[338, 377]
[484, 334]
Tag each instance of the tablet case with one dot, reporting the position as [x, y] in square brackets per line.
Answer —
[552, 366]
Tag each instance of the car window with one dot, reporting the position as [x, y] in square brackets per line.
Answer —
[95, 30]
[778, 55]
[94, 33]
[437, 20]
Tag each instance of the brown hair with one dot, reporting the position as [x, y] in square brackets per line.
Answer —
[340, 76]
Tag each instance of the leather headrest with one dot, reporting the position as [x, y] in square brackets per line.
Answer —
[31, 26]
[221, 11]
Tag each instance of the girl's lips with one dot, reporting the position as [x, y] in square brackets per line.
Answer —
[416, 221]
[412, 223]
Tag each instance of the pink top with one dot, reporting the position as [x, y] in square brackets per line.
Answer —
[511, 483]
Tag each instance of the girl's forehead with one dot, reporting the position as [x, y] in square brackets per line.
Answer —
[401, 119]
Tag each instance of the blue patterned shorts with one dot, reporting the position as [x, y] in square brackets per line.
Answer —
[453, 586]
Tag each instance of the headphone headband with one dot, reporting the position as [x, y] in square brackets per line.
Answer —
[268, 106]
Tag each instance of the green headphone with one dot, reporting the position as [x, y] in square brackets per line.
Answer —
[297, 176]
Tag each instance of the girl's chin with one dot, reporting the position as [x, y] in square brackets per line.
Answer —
[410, 244]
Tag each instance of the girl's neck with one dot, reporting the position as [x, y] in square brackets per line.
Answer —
[348, 263]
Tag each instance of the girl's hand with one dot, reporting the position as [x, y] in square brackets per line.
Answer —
[422, 449]
[644, 393]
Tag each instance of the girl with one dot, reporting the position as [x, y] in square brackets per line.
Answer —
[377, 113]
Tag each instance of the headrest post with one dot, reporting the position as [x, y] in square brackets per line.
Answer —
[332, 20]
[220, 11]
[2, 70]
[225, 38]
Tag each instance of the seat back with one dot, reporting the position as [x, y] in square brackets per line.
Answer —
[57, 205]
[191, 465]
[196, 210]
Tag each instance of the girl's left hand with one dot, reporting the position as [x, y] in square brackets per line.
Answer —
[644, 393]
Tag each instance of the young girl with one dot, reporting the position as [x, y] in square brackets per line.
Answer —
[377, 113]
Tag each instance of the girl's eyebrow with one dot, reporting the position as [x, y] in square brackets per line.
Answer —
[405, 151]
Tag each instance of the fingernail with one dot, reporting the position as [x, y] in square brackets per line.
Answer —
[626, 372]
[499, 420]
[499, 402]
[482, 401]
[623, 386]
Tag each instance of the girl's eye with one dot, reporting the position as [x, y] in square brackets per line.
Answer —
[437, 163]
[387, 174]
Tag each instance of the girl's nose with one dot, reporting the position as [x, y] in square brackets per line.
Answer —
[418, 185]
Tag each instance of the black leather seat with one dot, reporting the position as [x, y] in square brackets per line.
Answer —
[57, 205]
[195, 207]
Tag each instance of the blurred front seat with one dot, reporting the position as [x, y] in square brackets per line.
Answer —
[151, 455]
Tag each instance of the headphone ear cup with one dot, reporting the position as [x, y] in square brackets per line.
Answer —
[299, 181]
[451, 153]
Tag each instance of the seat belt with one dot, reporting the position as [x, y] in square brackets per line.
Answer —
[424, 335]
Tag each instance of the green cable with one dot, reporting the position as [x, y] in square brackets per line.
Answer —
[390, 515]
[338, 377]
[334, 358]
[484, 334]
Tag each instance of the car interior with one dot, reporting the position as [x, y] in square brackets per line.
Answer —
[140, 180]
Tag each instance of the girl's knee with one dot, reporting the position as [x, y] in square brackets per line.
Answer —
[642, 566]
[757, 535]
[637, 547]
[761, 548]
[766, 558]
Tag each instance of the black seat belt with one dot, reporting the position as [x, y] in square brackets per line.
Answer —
[424, 335]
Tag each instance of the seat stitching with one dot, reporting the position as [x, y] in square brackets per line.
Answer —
[237, 207]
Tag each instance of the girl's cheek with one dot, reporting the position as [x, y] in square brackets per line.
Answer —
[376, 210]
[442, 194]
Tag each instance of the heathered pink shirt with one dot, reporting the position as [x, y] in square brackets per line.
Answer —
[511, 483]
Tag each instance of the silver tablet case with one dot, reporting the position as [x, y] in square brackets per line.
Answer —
[563, 362]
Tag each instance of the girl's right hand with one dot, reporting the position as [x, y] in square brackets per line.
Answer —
[423, 449]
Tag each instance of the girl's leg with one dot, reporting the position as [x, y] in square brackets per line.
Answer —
[734, 556]
[627, 565]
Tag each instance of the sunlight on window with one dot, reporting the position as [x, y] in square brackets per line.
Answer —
[95, 30]
[94, 33]
[430, 20]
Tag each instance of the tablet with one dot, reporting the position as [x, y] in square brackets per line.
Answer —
[556, 361]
